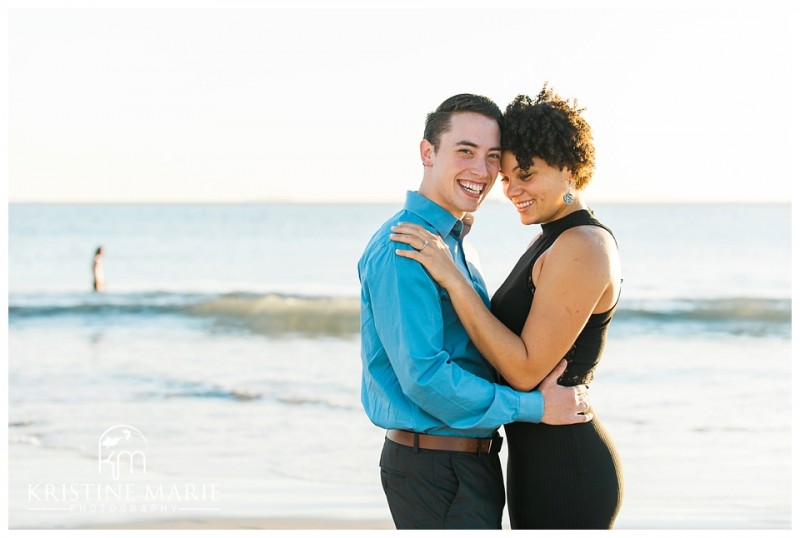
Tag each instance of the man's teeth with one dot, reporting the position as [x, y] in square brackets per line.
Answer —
[475, 188]
[523, 205]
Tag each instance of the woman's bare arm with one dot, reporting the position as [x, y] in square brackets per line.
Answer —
[571, 278]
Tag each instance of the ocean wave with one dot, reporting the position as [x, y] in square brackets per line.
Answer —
[213, 391]
[20, 424]
[165, 388]
[298, 400]
[269, 314]
[277, 314]
[31, 440]
[734, 309]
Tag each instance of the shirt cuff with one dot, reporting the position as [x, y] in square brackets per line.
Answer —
[531, 406]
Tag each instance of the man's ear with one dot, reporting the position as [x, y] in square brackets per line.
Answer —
[426, 153]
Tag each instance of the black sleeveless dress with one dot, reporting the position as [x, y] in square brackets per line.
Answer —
[559, 477]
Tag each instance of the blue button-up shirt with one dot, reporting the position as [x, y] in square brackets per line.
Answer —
[421, 372]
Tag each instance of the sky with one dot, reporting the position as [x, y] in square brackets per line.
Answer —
[162, 102]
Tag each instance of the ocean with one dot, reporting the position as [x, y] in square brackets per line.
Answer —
[227, 344]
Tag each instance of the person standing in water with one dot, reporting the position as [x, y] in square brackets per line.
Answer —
[99, 283]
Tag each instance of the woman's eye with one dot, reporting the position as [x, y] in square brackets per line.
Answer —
[524, 177]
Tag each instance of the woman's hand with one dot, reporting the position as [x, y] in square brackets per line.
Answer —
[430, 251]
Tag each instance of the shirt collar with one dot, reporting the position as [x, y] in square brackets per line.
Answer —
[442, 220]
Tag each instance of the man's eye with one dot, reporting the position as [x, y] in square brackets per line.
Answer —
[495, 156]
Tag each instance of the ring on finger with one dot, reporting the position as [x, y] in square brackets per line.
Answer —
[424, 244]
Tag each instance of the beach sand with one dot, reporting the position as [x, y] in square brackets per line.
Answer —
[55, 489]
[250, 524]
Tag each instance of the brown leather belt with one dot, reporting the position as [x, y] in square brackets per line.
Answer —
[442, 442]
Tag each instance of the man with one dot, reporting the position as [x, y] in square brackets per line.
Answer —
[423, 380]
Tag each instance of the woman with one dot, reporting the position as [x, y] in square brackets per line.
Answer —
[556, 303]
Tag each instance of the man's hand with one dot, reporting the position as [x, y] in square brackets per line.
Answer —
[563, 405]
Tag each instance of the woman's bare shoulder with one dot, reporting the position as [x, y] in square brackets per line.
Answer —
[589, 240]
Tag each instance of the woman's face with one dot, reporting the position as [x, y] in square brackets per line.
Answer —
[536, 192]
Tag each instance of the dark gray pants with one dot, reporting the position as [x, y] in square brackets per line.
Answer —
[436, 489]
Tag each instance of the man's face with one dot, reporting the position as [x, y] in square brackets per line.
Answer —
[466, 165]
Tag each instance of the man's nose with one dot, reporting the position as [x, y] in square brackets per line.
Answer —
[480, 168]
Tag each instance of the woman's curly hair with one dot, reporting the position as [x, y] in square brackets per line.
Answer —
[552, 129]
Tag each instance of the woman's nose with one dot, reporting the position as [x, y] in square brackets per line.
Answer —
[511, 188]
